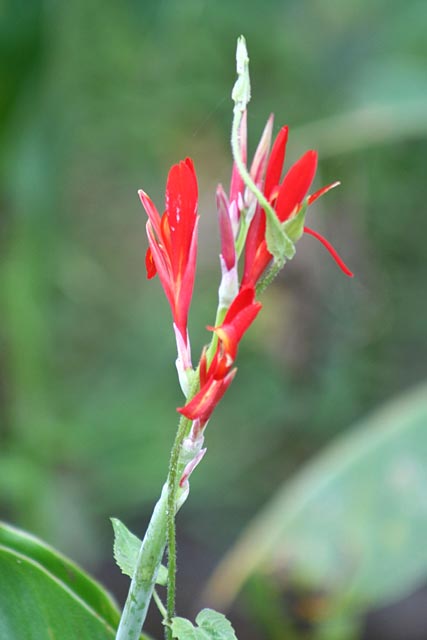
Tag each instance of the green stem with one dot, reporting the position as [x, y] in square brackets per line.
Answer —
[267, 279]
[175, 471]
[161, 607]
[144, 579]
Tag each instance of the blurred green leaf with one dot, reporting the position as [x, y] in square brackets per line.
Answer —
[354, 520]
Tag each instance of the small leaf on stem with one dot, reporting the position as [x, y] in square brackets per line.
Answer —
[211, 626]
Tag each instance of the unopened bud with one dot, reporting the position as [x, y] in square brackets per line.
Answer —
[241, 93]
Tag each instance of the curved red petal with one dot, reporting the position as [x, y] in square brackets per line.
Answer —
[321, 192]
[340, 262]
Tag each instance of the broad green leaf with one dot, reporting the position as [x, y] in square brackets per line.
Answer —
[47, 593]
[126, 550]
[353, 521]
[211, 625]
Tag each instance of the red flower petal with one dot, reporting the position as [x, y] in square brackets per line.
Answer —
[245, 297]
[296, 184]
[238, 319]
[181, 209]
[205, 401]
[275, 164]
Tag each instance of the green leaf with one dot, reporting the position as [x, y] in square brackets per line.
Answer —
[45, 592]
[126, 550]
[211, 626]
[353, 521]
[61, 570]
[61, 601]
[126, 547]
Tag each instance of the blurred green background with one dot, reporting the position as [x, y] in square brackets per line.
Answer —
[99, 98]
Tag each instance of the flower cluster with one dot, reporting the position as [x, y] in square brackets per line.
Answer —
[243, 231]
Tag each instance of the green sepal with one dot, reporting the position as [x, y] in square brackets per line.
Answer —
[126, 550]
[211, 625]
[278, 241]
[294, 227]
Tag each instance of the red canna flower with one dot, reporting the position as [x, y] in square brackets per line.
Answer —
[173, 246]
[287, 198]
[216, 377]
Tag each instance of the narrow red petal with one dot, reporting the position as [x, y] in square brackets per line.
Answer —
[322, 191]
[340, 262]
[228, 251]
[259, 163]
[296, 184]
[151, 211]
[275, 164]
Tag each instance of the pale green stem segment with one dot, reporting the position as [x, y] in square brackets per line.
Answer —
[144, 578]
